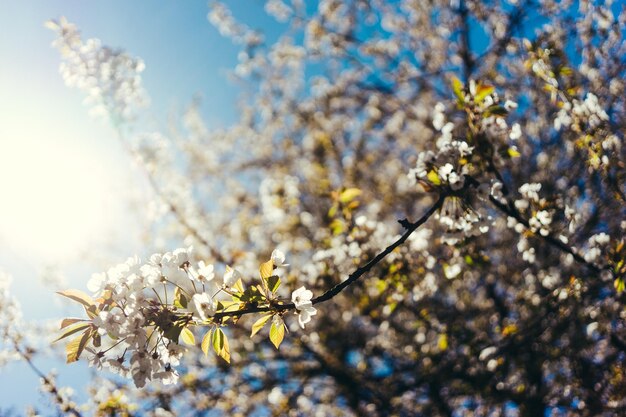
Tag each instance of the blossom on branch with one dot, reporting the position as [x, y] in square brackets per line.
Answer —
[301, 298]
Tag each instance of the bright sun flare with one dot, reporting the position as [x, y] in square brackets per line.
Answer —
[54, 201]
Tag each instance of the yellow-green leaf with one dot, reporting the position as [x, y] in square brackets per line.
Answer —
[353, 205]
[187, 337]
[433, 177]
[206, 342]
[482, 91]
[73, 329]
[337, 226]
[79, 296]
[509, 330]
[513, 152]
[92, 311]
[566, 71]
[238, 286]
[225, 352]
[258, 325]
[273, 283]
[457, 88]
[76, 346]
[619, 285]
[226, 305]
[220, 345]
[277, 334]
[349, 194]
[442, 343]
[180, 300]
[217, 340]
[172, 332]
[332, 210]
[267, 269]
[68, 321]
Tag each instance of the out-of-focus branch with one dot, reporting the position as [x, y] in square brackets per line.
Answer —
[171, 205]
[68, 408]
[506, 209]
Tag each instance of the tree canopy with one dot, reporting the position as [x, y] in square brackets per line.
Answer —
[420, 212]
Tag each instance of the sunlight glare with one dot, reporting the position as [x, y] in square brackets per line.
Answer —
[54, 197]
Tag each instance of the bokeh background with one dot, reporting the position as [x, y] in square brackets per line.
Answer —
[68, 187]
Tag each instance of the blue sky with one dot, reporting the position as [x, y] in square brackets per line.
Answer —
[50, 149]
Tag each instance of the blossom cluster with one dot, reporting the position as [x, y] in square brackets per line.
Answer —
[111, 78]
[447, 166]
[140, 312]
[10, 321]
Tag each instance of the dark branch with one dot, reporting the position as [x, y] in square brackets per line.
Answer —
[410, 228]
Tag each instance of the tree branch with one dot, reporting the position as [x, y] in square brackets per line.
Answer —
[410, 228]
[67, 408]
[506, 209]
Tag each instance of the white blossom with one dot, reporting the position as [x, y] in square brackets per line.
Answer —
[204, 305]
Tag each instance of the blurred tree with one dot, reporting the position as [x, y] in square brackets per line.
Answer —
[501, 120]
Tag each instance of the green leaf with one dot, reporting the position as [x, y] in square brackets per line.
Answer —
[258, 325]
[73, 329]
[495, 110]
[277, 334]
[187, 337]
[220, 345]
[619, 285]
[76, 346]
[79, 296]
[252, 294]
[349, 194]
[206, 342]
[172, 333]
[267, 269]
[273, 283]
